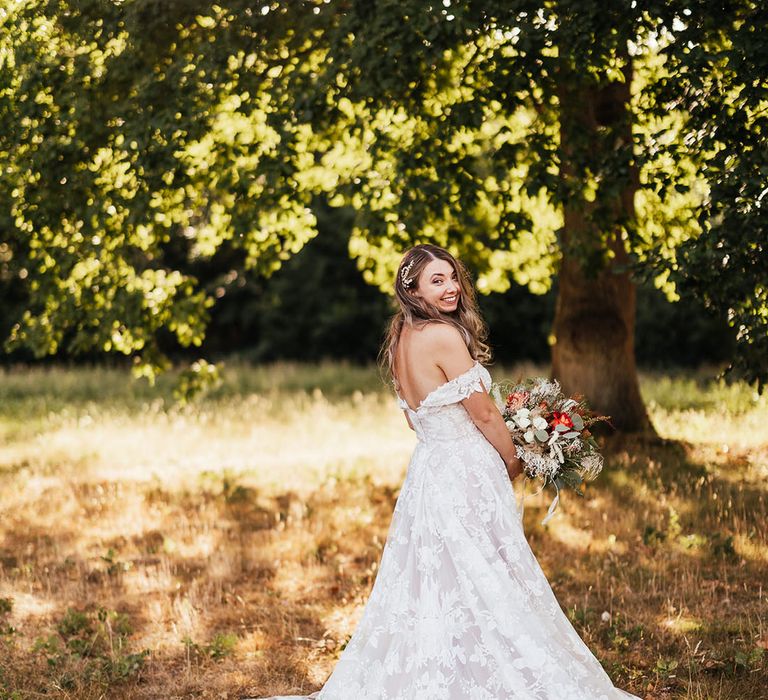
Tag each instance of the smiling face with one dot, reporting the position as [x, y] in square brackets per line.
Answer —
[438, 284]
[432, 285]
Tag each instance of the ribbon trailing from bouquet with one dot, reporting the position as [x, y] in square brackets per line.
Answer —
[552, 506]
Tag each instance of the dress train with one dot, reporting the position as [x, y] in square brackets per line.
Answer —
[460, 608]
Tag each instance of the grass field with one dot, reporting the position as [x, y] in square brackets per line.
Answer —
[226, 548]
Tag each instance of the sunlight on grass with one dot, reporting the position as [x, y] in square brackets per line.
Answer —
[705, 411]
[681, 624]
[235, 540]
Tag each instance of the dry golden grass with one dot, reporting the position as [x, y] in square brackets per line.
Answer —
[235, 541]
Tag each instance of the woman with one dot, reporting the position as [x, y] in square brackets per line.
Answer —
[460, 608]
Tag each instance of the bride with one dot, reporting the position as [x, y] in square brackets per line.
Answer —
[460, 608]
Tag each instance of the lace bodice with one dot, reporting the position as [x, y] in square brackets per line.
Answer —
[460, 608]
[440, 416]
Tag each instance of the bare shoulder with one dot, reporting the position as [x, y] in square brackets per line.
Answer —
[445, 345]
[435, 349]
[442, 336]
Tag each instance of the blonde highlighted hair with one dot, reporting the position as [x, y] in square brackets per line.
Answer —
[414, 311]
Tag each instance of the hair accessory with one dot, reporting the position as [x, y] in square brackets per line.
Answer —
[404, 274]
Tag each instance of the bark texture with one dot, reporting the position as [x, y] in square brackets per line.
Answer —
[593, 331]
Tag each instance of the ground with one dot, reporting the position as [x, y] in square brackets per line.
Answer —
[226, 547]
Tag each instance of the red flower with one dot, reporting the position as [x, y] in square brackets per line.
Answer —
[561, 419]
[517, 399]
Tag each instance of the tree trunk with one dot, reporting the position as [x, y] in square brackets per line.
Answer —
[593, 334]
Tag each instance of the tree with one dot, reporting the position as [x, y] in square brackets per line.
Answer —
[533, 139]
[567, 102]
[720, 85]
[122, 143]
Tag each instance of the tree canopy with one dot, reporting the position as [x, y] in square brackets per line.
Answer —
[138, 137]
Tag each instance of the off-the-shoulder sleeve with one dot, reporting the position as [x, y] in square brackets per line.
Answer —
[476, 378]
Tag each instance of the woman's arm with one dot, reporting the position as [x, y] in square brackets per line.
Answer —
[452, 356]
[487, 417]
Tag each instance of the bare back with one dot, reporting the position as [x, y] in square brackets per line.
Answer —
[427, 357]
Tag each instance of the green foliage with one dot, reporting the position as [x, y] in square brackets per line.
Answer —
[316, 306]
[126, 666]
[200, 377]
[118, 149]
[748, 660]
[13, 695]
[720, 544]
[717, 83]
[572, 480]
[220, 646]
[6, 630]
[699, 392]
[665, 668]
[74, 625]
[143, 140]
[90, 648]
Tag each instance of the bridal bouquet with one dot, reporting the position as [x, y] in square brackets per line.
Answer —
[551, 434]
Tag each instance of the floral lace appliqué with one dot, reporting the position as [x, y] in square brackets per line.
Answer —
[460, 608]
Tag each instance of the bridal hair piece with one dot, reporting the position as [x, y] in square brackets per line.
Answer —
[414, 311]
[404, 274]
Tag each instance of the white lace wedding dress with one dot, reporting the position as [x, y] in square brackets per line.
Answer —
[460, 608]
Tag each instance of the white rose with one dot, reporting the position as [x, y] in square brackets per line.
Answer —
[539, 423]
[510, 424]
[522, 417]
[528, 435]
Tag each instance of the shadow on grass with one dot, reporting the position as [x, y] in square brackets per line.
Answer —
[237, 591]
[211, 582]
[660, 570]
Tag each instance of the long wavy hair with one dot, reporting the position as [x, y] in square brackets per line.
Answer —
[415, 312]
